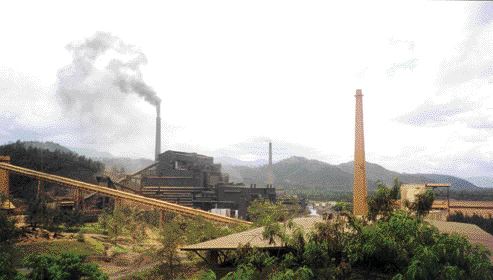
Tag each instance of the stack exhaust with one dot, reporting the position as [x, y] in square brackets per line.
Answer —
[158, 131]
[270, 172]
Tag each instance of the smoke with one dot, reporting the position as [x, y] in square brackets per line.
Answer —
[123, 67]
[97, 92]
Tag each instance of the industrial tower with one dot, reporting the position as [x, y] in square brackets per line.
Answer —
[360, 207]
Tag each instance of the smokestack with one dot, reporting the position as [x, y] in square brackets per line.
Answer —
[360, 207]
[270, 175]
[158, 131]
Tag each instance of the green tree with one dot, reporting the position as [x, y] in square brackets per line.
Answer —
[71, 218]
[423, 203]
[243, 272]
[450, 257]
[38, 213]
[135, 225]
[8, 235]
[332, 235]
[396, 189]
[67, 266]
[380, 203]
[412, 249]
[253, 257]
[342, 206]
[171, 237]
[199, 230]
[116, 223]
[387, 245]
[207, 275]
[264, 212]
[103, 220]
[302, 273]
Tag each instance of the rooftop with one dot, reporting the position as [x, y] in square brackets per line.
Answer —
[472, 232]
[252, 237]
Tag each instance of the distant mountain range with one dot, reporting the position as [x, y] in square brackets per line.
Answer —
[290, 172]
[306, 173]
[237, 162]
[484, 182]
[91, 153]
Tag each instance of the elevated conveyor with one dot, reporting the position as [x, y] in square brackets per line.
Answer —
[155, 203]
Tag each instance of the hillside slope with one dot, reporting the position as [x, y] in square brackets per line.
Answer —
[66, 164]
[302, 172]
[129, 165]
[483, 182]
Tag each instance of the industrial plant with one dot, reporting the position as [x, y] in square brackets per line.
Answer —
[194, 180]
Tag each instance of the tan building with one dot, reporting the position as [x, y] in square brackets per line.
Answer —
[409, 192]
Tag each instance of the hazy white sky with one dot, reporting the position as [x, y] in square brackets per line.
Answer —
[233, 74]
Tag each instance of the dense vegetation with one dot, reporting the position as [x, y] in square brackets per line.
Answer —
[55, 162]
[8, 237]
[66, 266]
[263, 212]
[399, 247]
[391, 244]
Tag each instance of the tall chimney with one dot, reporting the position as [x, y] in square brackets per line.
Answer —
[270, 175]
[360, 207]
[158, 131]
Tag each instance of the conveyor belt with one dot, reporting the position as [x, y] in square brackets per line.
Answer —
[156, 203]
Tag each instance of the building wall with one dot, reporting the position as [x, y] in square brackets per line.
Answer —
[195, 180]
[242, 196]
[188, 169]
[410, 191]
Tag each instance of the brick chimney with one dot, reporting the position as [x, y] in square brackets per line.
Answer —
[158, 131]
[360, 206]
[270, 172]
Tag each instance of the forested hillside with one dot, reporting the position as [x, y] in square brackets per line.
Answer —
[59, 162]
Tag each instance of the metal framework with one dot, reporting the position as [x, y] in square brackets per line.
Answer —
[155, 203]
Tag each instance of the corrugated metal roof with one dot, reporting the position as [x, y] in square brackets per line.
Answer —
[252, 237]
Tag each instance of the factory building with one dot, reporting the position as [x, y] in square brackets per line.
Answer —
[194, 180]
